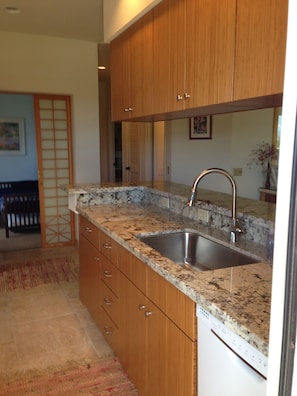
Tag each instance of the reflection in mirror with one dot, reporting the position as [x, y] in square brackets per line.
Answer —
[234, 136]
[277, 125]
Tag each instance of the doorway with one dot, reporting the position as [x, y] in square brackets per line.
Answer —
[48, 159]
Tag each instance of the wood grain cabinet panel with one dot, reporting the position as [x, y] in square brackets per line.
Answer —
[89, 231]
[150, 324]
[260, 48]
[89, 276]
[209, 52]
[132, 70]
[190, 54]
[158, 357]
[193, 53]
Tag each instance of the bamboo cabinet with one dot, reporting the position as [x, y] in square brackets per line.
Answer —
[89, 267]
[132, 69]
[260, 48]
[193, 53]
[149, 323]
[189, 54]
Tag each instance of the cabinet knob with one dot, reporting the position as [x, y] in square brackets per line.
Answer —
[148, 313]
[107, 330]
[107, 301]
[106, 245]
[97, 258]
[141, 307]
[107, 274]
[127, 109]
[179, 97]
[186, 95]
[88, 229]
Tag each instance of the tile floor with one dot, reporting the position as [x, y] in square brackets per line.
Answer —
[46, 327]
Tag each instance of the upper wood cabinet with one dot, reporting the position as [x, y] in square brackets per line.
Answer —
[131, 70]
[190, 54]
[260, 48]
[193, 53]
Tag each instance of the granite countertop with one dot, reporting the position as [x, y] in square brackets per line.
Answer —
[238, 296]
[256, 208]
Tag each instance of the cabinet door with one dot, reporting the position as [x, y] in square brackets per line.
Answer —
[141, 67]
[168, 56]
[133, 334]
[260, 48]
[120, 77]
[209, 52]
[89, 276]
[131, 67]
[171, 357]
[193, 49]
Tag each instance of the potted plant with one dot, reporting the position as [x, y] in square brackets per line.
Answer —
[265, 154]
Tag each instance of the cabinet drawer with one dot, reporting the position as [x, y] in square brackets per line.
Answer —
[108, 247]
[89, 231]
[175, 304]
[109, 330]
[132, 267]
[109, 275]
[110, 303]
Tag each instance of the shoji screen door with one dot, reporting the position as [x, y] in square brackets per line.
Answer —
[53, 130]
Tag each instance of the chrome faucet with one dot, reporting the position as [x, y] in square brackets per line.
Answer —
[235, 227]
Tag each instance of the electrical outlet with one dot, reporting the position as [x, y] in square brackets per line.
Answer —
[203, 215]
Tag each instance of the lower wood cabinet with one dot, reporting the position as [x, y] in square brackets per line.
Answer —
[156, 346]
[158, 357]
[89, 276]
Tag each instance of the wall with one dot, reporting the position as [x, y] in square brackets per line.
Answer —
[234, 135]
[120, 14]
[19, 167]
[38, 64]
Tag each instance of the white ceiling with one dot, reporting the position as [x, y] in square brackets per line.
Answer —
[76, 19]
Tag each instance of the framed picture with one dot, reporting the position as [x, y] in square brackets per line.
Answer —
[12, 136]
[200, 127]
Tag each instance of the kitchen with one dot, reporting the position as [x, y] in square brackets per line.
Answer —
[82, 175]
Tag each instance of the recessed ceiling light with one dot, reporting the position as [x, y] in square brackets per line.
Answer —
[101, 67]
[12, 10]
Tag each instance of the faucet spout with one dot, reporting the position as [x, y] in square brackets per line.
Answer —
[234, 226]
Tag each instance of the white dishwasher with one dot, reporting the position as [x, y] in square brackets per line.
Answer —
[227, 364]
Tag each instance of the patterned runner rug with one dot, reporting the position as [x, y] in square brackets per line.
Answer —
[31, 273]
[103, 378]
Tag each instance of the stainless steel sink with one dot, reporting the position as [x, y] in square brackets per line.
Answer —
[189, 248]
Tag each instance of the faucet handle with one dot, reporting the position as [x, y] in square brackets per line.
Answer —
[239, 228]
[236, 228]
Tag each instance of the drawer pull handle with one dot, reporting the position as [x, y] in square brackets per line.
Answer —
[141, 307]
[88, 229]
[107, 274]
[186, 95]
[179, 97]
[107, 301]
[106, 245]
[148, 313]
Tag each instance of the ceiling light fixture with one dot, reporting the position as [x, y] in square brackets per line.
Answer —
[12, 10]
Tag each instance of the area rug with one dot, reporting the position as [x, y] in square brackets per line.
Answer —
[103, 378]
[31, 273]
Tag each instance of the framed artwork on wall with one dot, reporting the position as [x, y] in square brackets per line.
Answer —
[200, 127]
[12, 136]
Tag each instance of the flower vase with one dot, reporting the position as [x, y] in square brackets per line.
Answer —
[268, 177]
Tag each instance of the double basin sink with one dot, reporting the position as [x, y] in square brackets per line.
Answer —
[191, 250]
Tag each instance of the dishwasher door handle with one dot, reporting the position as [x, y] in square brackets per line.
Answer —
[239, 357]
